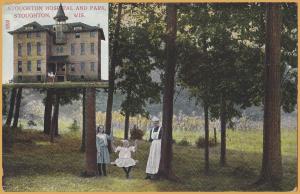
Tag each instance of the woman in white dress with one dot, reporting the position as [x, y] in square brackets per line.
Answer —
[125, 161]
[155, 149]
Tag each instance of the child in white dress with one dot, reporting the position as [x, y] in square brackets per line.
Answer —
[125, 161]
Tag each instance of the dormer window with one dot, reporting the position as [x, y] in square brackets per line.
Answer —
[77, 28]
[29, 28]
[77, 35]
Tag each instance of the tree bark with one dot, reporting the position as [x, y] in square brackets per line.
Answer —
[113, 64]
[126, 125]
[82, 147]
[206, 128]
[53, 121]
[48, 111]
[90, 126]
[223, 132]
[272, 162]
[215, 135]
[11, 107]
[56, 115]
[165, 168]
[17, 108]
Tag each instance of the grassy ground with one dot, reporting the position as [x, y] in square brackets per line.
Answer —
[36, 165]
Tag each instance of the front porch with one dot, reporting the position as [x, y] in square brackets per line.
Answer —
[57, 69]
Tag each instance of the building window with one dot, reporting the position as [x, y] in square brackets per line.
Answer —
[92, 48]
[28, 35]
[59, 49]
[72, 67]
[39, 78]
[38, 65]
[92, 66]
[19, 66]
[82, 66]
[38, 34]
[29, 66]
[63, 68]
[93, 34]
[19, 78]
[38, 48]
[19, 50]
[28, 49]
[19, 35]
[72, 49]
[82, 48]
[77, 35]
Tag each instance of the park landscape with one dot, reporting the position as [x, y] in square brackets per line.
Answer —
[222, 77]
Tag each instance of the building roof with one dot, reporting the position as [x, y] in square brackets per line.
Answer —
[60, 15]
[70, 28]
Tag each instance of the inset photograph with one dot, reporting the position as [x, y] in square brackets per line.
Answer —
[55, 42]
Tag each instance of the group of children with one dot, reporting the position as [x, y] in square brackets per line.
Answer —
[123, 161]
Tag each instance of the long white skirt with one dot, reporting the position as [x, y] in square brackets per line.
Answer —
[154, 157]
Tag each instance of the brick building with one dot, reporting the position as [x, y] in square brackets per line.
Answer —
[62, 51]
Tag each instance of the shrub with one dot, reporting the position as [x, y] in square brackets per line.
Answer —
[74, 126]
[31, 123]
[183, 142]
[200, 142]
[136, 133]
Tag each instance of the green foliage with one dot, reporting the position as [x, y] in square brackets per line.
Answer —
[183, 142]
[136, 133]
[200, 143]
[31, 123]
[134, 76]
[74, 127]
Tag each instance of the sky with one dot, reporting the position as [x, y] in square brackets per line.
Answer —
[17, 15]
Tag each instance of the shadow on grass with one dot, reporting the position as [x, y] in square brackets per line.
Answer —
[63, 159]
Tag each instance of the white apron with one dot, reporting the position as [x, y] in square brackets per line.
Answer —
[154, 154]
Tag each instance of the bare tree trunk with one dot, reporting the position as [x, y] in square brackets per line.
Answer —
[11, 107]
[272, 162]
[56, 118]
[53, 121]
[126, 125]
[206, 128]
[114, 60]
[17, 108]
[223, 132]
[90, 126]
[82, 147]
[215, 135]
[48, 111]
[165, 168]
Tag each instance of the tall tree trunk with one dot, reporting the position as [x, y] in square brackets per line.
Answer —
[56, 118]
[126, 125]
[215, 135]
[17, 108]
[53, 119]
[206, 128]
[111, 82]
[223, 132]
[48, 111]
[165, 168]
[271, 163]
[90, 126]
[82, 147]
[11, 107]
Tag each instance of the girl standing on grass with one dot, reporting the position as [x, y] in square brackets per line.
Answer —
[102, 150]
[125, 161]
